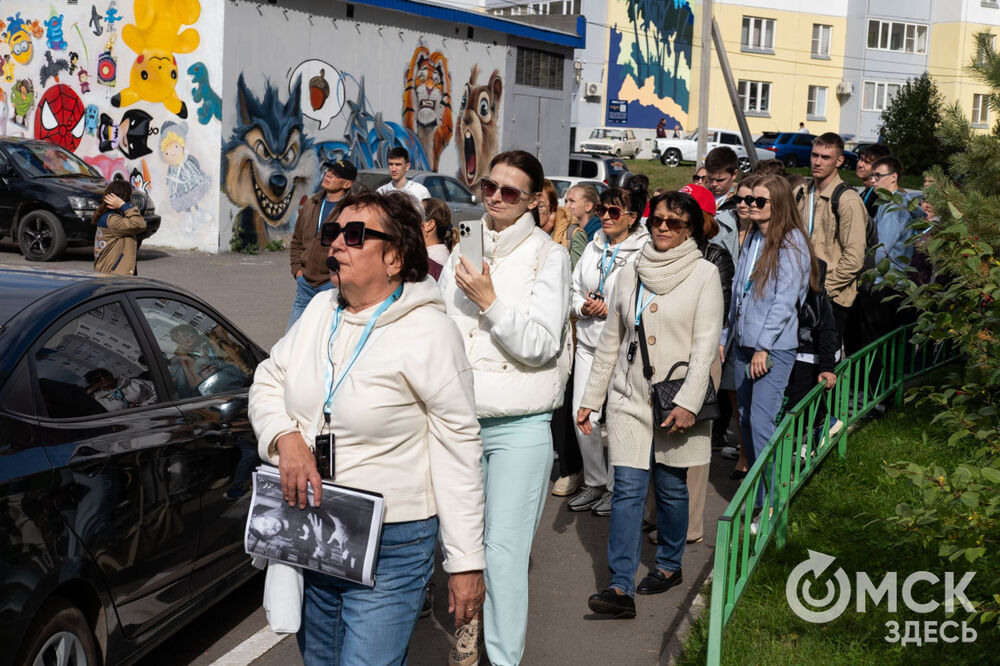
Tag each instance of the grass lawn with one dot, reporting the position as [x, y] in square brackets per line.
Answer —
[675, 178]
[841, 513]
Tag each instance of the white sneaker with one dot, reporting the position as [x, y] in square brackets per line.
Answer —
[567, 485]
[468, 645]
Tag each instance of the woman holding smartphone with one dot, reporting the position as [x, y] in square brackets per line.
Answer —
[512, 312]
[775, 269]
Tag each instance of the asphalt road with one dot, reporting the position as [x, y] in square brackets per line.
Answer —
[568, 560]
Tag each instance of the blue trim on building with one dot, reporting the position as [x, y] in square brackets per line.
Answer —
[477, 20]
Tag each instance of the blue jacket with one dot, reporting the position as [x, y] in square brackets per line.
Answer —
[772, 321]
[893, 222]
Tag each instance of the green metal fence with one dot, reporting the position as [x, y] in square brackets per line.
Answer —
[799, 444]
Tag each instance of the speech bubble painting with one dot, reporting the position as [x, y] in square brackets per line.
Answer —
[322, 90]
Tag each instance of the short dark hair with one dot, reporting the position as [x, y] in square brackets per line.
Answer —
[641, 179]
[873, 151]
[632, 197]
[683, 203]
[830, 139]
[893, 163]
[767, 167]
[722, 158]
[398, 152]
[402, 222]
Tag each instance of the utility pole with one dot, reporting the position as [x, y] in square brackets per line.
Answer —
[734, 97]
[707, 20]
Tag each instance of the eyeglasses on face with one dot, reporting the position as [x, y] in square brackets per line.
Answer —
[673, 223]
[614, 212]
[875, 176]
[355, 233]
[508, 193]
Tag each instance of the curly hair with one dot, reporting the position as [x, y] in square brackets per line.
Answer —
[682, 204]
[401, 221]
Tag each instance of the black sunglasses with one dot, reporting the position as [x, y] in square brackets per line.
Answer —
[614, 212]
[355, 233]
[750, 201]
[695, 178]
[508, 193]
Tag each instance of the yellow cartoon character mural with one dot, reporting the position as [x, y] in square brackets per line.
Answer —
[18, 38]
[155, 37]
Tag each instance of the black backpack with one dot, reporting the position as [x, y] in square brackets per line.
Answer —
[871, 229]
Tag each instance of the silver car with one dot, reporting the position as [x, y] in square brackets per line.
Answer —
[463, 203]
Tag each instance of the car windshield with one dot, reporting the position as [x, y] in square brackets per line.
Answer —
[47, 160]
[604, 133]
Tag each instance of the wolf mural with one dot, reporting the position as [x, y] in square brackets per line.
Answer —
[477, 130]
[268, 163]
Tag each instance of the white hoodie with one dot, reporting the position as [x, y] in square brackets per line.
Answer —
[587, 277]
[403, 420]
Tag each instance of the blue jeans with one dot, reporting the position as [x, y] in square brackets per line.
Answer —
[517, 460]
[347, 623]
[303, 294]
[628, 502]
[760, 401]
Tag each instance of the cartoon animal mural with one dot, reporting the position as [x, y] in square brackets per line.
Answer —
[156, 36]
[478, 127]
[18, 38]
[51, 69]
[111, 15]
[211, 104]
[268, 162]
[22, 96]
[59, 117]
[427, 102]
[109, 168]
[55, 40]
[140, 179]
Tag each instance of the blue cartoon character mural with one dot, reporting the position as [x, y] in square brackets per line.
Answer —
[54, 38]
[267, 163]
[211, 103]
[90, 116]
[111, 16]
[156, 36]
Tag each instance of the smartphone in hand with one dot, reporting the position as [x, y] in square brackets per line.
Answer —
[769, 364]
[470, 242]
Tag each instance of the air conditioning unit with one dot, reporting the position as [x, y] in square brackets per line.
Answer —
[591, 89]
[845, 88]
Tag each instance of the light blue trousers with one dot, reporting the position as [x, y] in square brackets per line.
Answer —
[517, 461]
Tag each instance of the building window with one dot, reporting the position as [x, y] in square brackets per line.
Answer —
[816, 104]
[540, 69]
[821, 40]
[877, 95]
[895, 36]
[981, 53]
[758, 34]
[755, 97]
[980, 110]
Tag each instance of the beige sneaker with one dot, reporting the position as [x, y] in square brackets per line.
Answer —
[567, 485]
[468, 645]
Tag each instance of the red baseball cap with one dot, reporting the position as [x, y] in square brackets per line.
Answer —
[701, 194]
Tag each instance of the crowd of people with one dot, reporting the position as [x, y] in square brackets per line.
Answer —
[599, 352]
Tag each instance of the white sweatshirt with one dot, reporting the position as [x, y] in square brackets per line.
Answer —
[404, 418]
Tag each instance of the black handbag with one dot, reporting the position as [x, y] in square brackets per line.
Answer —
[663, 392]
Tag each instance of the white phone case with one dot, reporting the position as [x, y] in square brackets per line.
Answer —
[470, 242]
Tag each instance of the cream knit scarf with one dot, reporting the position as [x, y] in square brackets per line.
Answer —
[662, 271]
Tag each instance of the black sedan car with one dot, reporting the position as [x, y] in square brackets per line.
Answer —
[48, 196]
[126, 456]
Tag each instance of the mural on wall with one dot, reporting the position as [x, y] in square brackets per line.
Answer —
[211, 104]
[478, 127]
[59, 117]
[186, 183]
[427, 102]
[649, 61]
[23, 98]
[268, 162]
[155, 37]
[130, 135]
[18, 38]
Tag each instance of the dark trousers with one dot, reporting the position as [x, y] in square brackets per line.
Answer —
[721, 424]
[803, 378]
[564, 438]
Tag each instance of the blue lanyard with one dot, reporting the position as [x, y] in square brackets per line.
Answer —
[605, 270]
[641, 305]
[756, 243]
[811, 211]
[332, 387]
[322, 213]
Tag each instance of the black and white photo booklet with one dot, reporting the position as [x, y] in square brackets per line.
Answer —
[340, 537]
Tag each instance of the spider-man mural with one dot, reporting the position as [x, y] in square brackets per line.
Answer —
[59, 117]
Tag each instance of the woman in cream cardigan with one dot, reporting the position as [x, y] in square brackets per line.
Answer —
[679, 297]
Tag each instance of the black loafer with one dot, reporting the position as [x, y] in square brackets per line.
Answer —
[656, 582]
[609, 602]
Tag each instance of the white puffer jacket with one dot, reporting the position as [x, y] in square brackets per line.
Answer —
[519, 348]
[587, 277]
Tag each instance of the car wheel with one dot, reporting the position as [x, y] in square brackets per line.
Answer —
[60, 635]
[744, 164]
[40, 236]
[671, 158]
[618, 152]
[791, 161]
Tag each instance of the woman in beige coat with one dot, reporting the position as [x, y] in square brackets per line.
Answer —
[118, 223]
[679, 297]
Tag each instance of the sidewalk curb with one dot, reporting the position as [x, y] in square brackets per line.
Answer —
[698, 605]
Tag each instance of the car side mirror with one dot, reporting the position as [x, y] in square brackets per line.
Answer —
[475, 200]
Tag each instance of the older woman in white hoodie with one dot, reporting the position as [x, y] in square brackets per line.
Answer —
[513, 314]
[595, 279]
[379, 365]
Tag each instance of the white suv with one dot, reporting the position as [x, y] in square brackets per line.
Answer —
[674, 151]
[615, 141]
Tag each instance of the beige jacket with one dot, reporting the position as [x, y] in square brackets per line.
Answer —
[684, 324]
[404, 420]
[115, 247]
[844, 253]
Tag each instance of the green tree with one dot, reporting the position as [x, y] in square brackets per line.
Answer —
[909, 124]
